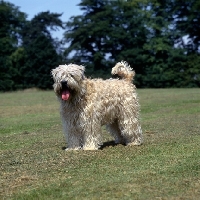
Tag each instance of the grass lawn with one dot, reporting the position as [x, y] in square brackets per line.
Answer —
[33, 164]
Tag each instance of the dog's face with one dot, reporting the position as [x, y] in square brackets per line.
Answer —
[67, 80]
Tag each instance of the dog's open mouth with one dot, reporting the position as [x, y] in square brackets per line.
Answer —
[65, 95]
[65, 91]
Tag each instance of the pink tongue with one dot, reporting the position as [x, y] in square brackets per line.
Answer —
[65, 95]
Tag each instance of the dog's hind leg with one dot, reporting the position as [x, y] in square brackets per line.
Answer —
[115, 131]
[131, 130]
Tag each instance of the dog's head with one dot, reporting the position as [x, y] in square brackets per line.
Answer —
[67, 80]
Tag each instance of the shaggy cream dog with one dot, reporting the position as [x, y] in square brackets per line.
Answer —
[87, 104]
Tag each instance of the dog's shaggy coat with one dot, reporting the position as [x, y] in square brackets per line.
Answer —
[87, 104]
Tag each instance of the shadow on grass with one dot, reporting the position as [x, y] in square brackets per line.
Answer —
[104, 145]
[108, 144]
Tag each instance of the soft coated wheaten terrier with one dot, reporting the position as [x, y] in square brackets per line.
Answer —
[87, 104]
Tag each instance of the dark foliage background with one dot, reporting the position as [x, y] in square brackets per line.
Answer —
[160, 40]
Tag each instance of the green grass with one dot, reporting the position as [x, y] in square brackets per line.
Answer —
[33, 164]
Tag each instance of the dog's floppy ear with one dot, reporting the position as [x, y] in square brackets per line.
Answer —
[82, 69]
[53, 73]
[76, 71]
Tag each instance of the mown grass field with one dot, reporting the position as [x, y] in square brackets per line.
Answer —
[33, 164]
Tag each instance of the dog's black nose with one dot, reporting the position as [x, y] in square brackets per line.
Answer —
[63, 82]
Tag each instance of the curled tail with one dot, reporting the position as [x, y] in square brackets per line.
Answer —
[124, 71]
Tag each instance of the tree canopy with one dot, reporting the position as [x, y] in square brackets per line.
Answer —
[147, 34]
[160, 40]
[28, 52]
[11, 23]
[40, 48]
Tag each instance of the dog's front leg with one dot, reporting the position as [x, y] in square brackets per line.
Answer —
[73, 137]
[73, 142]
[91, 140]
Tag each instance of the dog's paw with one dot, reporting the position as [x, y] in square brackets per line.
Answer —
[90, 148]
[120, 141]
[73, 149]
[135, 143]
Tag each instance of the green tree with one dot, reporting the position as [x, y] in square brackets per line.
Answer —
[40, 49]
[159, 71]
[12, 21]
[187, 25]
[86, 34]
[108, 31]
[147, 34]
[188, 22]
